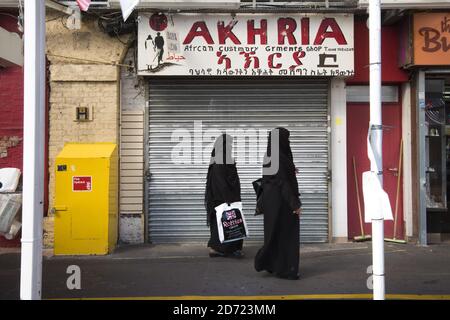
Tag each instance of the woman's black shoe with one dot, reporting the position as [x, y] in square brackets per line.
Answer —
[236, 254]
[289, 277]
[215, 254]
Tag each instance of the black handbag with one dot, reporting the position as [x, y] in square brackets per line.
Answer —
[257, 186]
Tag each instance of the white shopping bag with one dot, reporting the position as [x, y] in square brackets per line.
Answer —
[231, 222]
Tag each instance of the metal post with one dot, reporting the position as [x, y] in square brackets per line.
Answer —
[376, 134]
[33, 149]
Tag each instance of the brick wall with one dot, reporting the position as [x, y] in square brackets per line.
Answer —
[102, 96]
[80, 83]
[11, 108]
[11, 116]
[11, 120]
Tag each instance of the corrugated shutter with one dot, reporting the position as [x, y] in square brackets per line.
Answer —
[176, 192]
[131, 164]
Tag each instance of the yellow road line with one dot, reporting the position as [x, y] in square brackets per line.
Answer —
[363, 296]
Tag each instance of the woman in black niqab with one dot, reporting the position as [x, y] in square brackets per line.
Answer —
[281, 208]
[222, 185]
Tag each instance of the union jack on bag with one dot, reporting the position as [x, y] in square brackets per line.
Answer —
[230, 214]
[231, 224]
[83, 4]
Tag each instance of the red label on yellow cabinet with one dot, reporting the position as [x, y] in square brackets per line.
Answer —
[82, 183]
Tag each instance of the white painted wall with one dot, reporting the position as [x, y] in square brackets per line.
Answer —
[407, 156]
[338, 159]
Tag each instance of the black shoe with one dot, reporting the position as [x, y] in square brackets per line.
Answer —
[288, 277]
[236, 254]
[215, 254]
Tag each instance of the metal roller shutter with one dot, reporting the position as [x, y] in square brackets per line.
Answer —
[175, 192]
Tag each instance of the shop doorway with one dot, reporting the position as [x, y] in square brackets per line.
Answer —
[437, 152]
[358, 114]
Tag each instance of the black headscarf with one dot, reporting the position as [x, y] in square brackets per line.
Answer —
[283, 142]
[225, 175]
[286, 162]
[222, 151]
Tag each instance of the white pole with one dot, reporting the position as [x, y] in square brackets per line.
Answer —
[376, 138]
[33, 149]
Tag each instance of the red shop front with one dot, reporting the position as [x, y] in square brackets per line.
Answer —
[358, 123]
[11, 119]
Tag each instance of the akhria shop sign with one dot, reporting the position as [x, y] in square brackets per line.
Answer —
[246, 45]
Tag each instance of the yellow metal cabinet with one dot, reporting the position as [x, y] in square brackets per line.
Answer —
[86, 199]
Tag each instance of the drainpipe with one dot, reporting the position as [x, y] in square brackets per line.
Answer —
[33, 150]
[376, 136]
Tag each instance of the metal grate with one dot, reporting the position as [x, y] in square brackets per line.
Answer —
[176, 192]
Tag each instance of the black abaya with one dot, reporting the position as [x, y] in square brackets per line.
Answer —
[280, 197]
[222, 186]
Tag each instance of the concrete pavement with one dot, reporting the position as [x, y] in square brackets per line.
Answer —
[186, 270]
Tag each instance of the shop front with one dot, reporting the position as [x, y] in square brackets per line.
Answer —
[243, 74]
[395, 103]
[429, 60]
[11, 103]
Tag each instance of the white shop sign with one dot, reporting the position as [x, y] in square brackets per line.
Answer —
[246, 44]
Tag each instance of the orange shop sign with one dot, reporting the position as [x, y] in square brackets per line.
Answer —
[432, 38]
